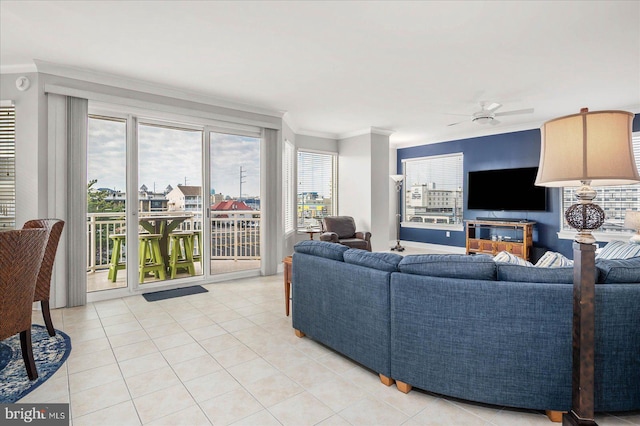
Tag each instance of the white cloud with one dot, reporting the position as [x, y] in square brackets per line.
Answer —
[170, 157]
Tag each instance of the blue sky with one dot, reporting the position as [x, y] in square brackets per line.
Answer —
[168, 156]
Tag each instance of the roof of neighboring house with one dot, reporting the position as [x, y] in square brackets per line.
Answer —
[192, 191]
[230, 205]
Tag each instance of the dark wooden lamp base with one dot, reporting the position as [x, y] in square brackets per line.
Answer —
[572, 419]
[584, 279]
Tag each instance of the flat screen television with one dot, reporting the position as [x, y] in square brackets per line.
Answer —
[506, 189]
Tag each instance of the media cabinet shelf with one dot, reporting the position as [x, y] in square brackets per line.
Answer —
[492, 237]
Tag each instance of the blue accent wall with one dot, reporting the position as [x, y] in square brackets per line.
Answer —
[504, 151]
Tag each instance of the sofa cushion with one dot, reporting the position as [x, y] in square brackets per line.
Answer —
[551, 259]
[506, 257]
[529, 274]
[387, 262]
[619, 250]
[322, 249]
[478, 267]
[618, 270]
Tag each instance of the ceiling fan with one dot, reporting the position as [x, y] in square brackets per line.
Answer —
[488, 114]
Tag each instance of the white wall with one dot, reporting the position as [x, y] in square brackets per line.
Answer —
[364, 184]
[316, 143]
[30, 147]
[354, 180]
[380, 183]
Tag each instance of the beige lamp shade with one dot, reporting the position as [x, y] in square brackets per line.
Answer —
[397, 178]
[589, 146]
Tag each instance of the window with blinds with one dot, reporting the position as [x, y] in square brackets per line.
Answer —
[317, 183]
[7, 167]
[287, 186]
[433, 190]
[614, 200]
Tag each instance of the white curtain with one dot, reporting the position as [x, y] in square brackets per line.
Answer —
[271, 196]
[67, 195]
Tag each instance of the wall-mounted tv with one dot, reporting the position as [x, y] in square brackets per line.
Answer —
[506, 189]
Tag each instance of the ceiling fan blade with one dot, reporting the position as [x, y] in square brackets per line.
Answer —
[493, 106]
[494, 122]
[454, 124]
[518, 111]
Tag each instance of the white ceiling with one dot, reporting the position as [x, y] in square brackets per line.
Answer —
[339, 67]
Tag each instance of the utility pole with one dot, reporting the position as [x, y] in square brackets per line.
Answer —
[243, 174]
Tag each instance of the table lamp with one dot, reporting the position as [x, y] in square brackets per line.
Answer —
[632, 221]
[584, 150]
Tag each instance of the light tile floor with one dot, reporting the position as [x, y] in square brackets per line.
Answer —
[230, 356]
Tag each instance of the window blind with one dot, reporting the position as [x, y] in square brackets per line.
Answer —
[614, 200]
[316, 191]
[287, 186]
[7, 167]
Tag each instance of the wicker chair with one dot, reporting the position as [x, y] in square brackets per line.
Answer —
[43, 286]
[21, 253]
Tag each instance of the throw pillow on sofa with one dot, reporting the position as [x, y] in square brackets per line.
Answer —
[551, 259]
[527, 274]
[619, 250]
[506, 257]
[612, 271]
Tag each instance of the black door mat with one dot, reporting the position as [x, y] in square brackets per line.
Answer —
[177, 292]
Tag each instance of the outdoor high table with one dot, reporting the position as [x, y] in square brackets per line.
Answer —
[163, 225]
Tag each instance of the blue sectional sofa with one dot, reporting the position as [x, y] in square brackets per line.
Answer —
[469, 327]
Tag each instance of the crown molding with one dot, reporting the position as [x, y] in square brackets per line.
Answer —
[366, 131]
[381, 131]
[122, 82]
[316, 134]
[18, 69]
[288, 119]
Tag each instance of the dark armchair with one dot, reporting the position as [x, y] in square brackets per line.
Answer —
[342, 229]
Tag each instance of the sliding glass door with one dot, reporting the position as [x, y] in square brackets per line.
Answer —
[169, 202]
[165, 243]
[234, 202]
[106, 203]
[151, 220]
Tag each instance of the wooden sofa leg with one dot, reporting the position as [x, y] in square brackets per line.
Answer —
[554, 416]
[299, 333]
[403, 387]
[387, 381]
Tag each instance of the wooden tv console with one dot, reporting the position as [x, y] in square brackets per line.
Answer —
[492, 237]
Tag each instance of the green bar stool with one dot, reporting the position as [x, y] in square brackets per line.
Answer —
[150, 256]
[197, 256]
[115, 264]
[181, 253]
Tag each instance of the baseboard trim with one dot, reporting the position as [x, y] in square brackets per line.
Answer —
[430, 246]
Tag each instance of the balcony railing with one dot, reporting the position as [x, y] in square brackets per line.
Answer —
[235, 235]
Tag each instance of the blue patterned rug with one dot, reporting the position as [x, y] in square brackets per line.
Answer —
[49, 353]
